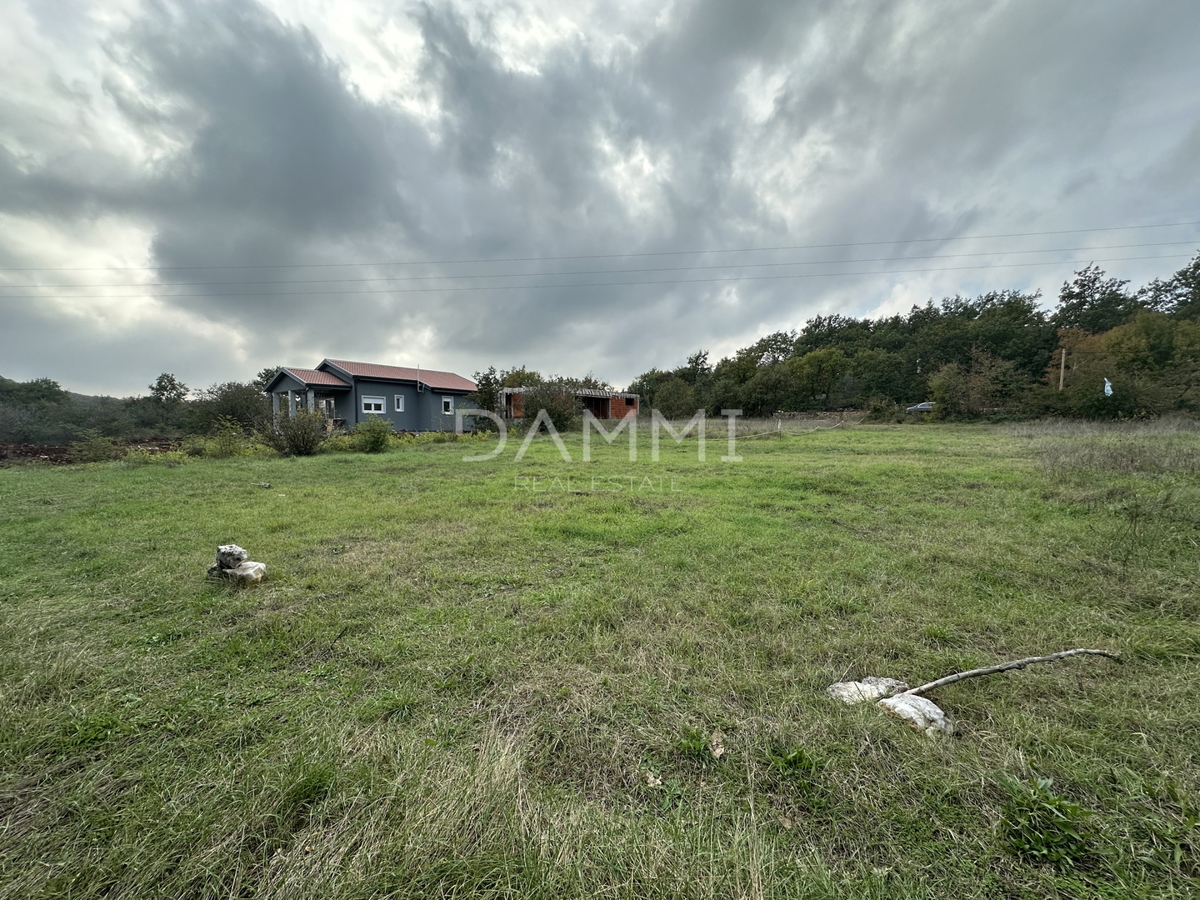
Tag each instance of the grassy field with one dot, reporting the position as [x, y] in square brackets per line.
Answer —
[454, 685]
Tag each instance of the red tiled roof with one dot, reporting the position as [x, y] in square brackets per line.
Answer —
[312, 376]
[437, 380]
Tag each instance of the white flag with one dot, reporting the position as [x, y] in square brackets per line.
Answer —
[1107, 388]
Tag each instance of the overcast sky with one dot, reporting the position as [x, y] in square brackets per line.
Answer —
[164, 166]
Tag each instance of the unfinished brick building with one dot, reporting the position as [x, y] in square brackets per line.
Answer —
[601, 404]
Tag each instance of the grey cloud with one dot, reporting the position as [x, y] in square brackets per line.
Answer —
[894, 120]
[283, 143]
[696, 63]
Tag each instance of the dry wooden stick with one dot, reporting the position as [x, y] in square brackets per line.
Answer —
[1004, 667]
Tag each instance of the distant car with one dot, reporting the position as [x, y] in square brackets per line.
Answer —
[927, 406]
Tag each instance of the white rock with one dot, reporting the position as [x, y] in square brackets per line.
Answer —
[919, 713]
[231, 562]
[247, 572]
[229, 555]
[870, 688]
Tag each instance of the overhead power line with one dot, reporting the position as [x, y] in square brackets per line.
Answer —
[725, 266]
[513, 287]
[416, 262]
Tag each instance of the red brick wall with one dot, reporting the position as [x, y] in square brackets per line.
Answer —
[623, 407]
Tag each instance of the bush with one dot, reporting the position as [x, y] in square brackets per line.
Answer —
[558, 400]
[194, 446]
[135, 458]
[298, 435]
[883, 411]
[373, 435]
[676, 399]
[242, 404]
[92, 446]
[227, 441]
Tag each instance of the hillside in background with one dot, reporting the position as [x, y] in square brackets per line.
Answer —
[42, 412]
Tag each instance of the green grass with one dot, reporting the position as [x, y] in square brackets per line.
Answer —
[454, 687]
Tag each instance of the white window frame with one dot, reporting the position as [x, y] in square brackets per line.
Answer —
[397, 403]
[447, 406]
[381, 402]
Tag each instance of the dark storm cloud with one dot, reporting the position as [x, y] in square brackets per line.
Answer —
[721, 125]
[283, 150]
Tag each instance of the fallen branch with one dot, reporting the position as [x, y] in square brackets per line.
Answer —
[1015, 664]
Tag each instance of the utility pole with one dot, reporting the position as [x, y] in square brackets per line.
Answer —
[1062, 368]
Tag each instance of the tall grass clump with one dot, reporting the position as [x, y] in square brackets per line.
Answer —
[444, 437]
[136, 458]
[1042, 825]
[1160, 447]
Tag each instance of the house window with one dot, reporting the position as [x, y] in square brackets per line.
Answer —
[398, 403]
[448, 405]
[374, 404]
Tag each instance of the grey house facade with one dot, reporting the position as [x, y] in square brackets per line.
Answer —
[348, 392]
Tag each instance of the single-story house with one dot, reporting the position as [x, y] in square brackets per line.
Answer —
[602, 404]
[348, 392]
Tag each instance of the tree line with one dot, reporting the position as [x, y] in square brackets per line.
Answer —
[1001, 353]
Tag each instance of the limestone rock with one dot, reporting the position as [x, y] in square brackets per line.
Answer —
[870, 688]
[919, 713]
[228, 556]
[232, 562]
[247, 572]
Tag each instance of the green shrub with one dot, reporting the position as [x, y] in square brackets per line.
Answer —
[300, 435]
[193, 445]
[92, 446]
[1044, 826]
[135, 458]
[373, 435]
[242, 404]
[227, 441]
[557, 398]
[883, 411]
